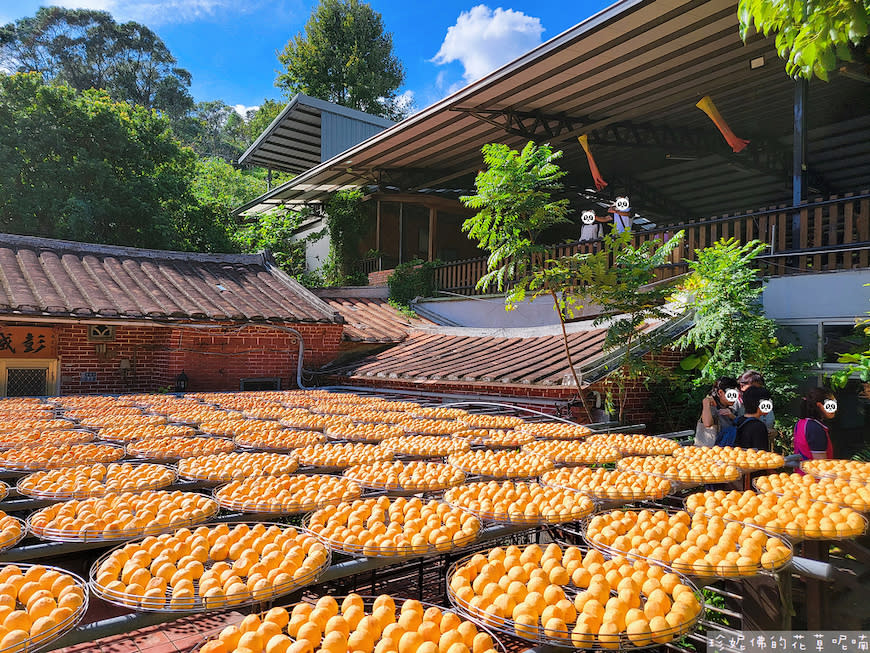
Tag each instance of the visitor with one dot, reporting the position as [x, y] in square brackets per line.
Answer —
[621, 212]
[751, 430]
[753, 379]
[717, 411]
[811, 437]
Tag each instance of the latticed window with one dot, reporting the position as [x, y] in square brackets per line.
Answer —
[26, 381]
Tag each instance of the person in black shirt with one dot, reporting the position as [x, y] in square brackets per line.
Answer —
[751, 431]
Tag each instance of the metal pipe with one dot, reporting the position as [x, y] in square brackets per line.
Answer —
[813, 569]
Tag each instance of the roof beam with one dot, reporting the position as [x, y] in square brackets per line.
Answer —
[531, 125]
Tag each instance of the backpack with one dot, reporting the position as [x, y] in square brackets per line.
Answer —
[727, 436]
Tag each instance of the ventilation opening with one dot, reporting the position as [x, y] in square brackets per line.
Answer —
[26, 381]
[260, 383]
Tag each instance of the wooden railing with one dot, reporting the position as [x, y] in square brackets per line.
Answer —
[833, 234]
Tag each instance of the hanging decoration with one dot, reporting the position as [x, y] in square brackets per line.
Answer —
[706, 105]
[600, 184]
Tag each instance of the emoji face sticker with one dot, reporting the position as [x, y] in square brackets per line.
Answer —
[731, 395]
[765, 406]
[830, 406]
[622, 204]
[587, 217]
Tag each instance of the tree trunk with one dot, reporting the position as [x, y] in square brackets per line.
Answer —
[568, 355]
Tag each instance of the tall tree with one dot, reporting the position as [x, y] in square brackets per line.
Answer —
[344, 56]
[88, 49]
[82, 166]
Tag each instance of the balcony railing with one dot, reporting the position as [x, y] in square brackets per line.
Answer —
[833, 234]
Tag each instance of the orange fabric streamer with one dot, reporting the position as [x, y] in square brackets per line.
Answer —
[593, 167]
[706, 105]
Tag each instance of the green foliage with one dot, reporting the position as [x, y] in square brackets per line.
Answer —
[812, 36]
[675, 399]
[82, 166]
[217, 182]
[730, 328]
[87, 49]
[275, 231]
[514, 207]
[344, 56]
[858, 362]
[404, 309]
[620, 279]
[412, 279]
[346, 223]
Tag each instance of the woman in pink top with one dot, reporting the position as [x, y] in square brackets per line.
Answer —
[811, 437]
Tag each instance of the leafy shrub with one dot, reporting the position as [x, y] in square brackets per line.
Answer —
[412, 279]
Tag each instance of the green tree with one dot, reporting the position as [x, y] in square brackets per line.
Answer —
[812, 36]
[218, 182]
[85, 167]
[344, 56]
[87, 49]
[858, 362]
[346, 223]
[276, 231]
[731, 333]
[264, 115]
[514, 206]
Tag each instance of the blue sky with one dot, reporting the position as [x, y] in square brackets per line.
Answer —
[229, 46]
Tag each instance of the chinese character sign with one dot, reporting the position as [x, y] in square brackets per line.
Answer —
[27, 342]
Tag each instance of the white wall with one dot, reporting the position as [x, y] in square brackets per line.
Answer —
[825, 295]
[489, 312]
[316, 252]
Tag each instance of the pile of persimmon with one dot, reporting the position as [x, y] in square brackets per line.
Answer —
[11, 530]
[630, 444]
[573, 452]
[95, 480]
[613, 485]
[850, 470]
[412, 476]
[106, 421]
[286, 494]
[132, 432]
[434, 446]
[501, 438]
[313, 422]
[200, 414]
[39, 603]
[520, 503]
[689, 543]
[268, 412]
[52, 456]
[36, 424]
[117, 411]
[555, 430]
[340, 456]
[231, 466]
[432, 426]
[171, 448]
[500, 464]
[438, 412]
[210, 567]
[12, 439]
[621, 602]
[232, 427]
[491, 421]
[853, 494]
[397, 527]
[396, 406]
[119, 516]
[796, 517]
[281, 440]
[364, 432]
[746, 459]
[330, 627]
[684, 470]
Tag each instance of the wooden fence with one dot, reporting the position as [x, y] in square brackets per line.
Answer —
[833, 234]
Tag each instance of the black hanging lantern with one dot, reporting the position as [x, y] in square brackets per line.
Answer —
[181, 382]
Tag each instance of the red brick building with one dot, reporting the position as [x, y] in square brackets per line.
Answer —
[83, 318]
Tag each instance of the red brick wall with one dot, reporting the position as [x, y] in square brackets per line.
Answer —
[212, 360]
[379, 277]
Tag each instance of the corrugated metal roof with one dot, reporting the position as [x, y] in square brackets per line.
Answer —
[59, 278]
[636, 62]
[309, 131]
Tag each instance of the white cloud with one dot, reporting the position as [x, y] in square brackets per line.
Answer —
[155, 12]
[483, 39]
[405, 100]
[242, 110]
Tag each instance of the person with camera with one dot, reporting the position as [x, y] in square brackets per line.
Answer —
[812, 439]
[717, 412]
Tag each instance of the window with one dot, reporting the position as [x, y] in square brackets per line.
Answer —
[260, 383]
[101, 333]
[838, 339]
